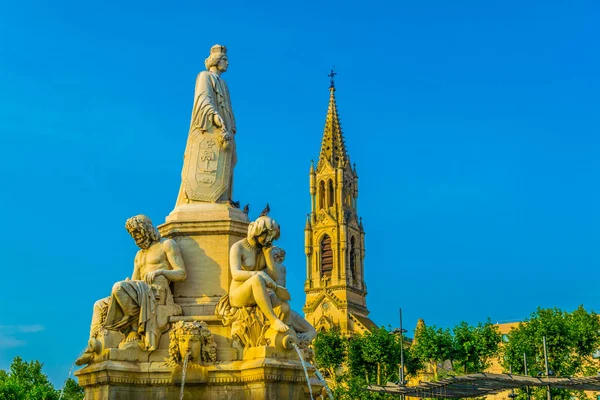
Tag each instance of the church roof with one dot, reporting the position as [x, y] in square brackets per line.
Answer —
[333, 148]
[365, 322]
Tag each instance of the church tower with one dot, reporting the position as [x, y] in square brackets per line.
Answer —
[334, 237]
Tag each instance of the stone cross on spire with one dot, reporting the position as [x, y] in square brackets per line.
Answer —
[331, 76]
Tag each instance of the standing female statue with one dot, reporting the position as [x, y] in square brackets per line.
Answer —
[210, 152]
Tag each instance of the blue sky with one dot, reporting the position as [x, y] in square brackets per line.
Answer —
[474, 126]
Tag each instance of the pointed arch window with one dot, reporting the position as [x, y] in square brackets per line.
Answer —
[326, 256]
[330, 193]
[321, 195]
[349, 196]
[353, 257]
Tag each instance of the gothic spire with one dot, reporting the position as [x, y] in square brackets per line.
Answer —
[333, 148]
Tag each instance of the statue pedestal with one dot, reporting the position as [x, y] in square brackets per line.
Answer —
[205, 233]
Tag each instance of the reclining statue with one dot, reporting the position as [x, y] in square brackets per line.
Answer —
[139, 308]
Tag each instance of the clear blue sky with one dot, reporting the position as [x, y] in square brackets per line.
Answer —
[474, 126]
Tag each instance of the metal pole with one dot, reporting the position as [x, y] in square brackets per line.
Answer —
[526, 373]
[401, 376]
[547, 369]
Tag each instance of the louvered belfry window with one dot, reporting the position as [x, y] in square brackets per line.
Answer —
[326, 256]
[353, 257]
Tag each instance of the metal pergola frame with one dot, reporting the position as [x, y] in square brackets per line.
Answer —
[483, 384]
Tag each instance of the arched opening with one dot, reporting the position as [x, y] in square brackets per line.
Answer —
[348, 199]
[330, 193]
[321, 195]
[326, 256]
[353, 257]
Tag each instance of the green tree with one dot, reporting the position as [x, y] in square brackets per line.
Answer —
[373, 358]
[330, 353]
[433, 346]
[475, 346]
[72, 390]
[26, 381]
[571, 339]
[375, 355]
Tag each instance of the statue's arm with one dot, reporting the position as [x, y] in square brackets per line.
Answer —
[274, 271]
[281, 290]
[271, 265]
[233, 127]
[178, 272]
[136, 267]
[235, 265]
[205, 108]
[281, 281]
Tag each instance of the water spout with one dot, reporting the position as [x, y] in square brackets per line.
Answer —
[320, 377]
[183, 375]
[69, 375]
[304, 367]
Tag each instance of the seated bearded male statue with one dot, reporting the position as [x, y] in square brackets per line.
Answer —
[139, 308]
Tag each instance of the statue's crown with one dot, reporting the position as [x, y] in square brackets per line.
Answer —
[217, 49]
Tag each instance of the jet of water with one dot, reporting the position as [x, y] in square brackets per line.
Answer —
[183, 375]
[329, 394]
[304, 367]
[69, 375]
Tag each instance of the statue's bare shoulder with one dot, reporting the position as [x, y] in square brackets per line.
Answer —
[169, 245]
[236, 252]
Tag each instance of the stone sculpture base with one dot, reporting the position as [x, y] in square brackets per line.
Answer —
[263, 378]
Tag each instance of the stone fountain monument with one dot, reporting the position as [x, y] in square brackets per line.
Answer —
[205, 314]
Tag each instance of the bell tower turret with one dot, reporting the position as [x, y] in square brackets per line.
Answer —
[334, 236]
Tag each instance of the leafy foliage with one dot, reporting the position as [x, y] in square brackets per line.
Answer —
[571, 339]
[433, 346]
[330, 349]
[468, 348]
[350, 364]
[375, 355]
[330, 353]
[26, 381]
[72, 390]
[475, 346]
[373, 358]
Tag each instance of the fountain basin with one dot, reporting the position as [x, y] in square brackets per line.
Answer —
[260, 378]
